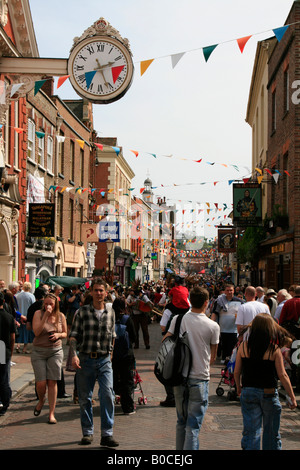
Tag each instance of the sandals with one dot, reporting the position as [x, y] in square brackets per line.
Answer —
[37, 412]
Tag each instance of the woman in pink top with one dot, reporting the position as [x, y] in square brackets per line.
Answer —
[49, 327]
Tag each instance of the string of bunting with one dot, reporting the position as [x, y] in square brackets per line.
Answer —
[145, 64]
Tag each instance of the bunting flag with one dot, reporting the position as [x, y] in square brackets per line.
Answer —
[175, 58]
[208, 50]
[62, 80]
[135, 153]
[279, 32]
[116, 72]
[80, 142]
[100, 146]
[89, 77]
[40, 135]
[38, 85]
[117, 150]
[15, 88]
[19, 130]
[145, 64]
[242, 42]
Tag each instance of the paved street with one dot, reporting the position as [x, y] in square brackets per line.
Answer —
[151, 428]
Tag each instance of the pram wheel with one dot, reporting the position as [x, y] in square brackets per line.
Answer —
[220, 391]
[142, 400]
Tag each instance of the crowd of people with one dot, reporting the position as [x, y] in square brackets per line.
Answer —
[103, 324]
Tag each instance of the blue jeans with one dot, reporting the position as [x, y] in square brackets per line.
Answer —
[260, 410]
[191, 404]
[93, 370]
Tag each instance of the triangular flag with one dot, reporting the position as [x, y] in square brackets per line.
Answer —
[135, 152]
[208, 50]
[269, 171]
[153, 154]
[142, 190]
[242, 42]
[61, 80]
[279, 32]
[287, 172]
[175, 58]
[116, 72]
[19, 130]
[117, 150]
[276, 176]
[145, 64]
[259, 171]
[259, 179]
[37, 85]
[40, 135]
[89, 77]
[198, 161]
[100, 146]
[60, 138]
[246, 180]
[15, 88]
[80, 142]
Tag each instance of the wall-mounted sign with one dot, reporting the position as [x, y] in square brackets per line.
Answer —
[247, 204]
[41, 220]
[109, 230]
[226, 240]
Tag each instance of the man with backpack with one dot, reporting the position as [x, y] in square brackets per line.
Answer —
[191, 398]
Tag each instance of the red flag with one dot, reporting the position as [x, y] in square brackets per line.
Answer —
[242, 42]
[61, 80]
[116, 72]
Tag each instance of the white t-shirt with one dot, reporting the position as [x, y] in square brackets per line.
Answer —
[249, 310]
[165, 317]
[202, 332]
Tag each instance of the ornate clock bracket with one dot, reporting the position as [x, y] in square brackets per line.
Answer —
[101, 27]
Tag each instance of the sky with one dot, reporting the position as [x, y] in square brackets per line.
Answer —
[195, 111]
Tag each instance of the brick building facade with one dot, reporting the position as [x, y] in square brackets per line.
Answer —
[281, 248]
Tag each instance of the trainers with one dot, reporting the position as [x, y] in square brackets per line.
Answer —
[127, 413]
[86, 440]
[108, 441]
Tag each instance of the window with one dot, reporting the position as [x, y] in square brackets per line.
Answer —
[31, 140]
[72, 160]
[286, 78]
[50, 154]
[16, 136]
[60, 200]
[274, 110]
[61, 153]
[80, 221]
[71, 219]
[81, 168]
[41, 150]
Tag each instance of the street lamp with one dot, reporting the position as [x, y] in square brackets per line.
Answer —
[109, 250]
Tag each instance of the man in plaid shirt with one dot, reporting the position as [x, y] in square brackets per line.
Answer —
[91, 343]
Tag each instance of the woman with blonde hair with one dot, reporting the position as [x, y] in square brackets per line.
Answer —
[49, 327]
[258, 364]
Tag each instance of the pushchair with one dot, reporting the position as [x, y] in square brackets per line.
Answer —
[227, 377]
[142, 400]
[137, 388]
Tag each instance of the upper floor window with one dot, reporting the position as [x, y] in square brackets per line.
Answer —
[41, 151]
[50, 154]
[31, 140]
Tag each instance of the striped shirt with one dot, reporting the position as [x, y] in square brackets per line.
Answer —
[94, 335]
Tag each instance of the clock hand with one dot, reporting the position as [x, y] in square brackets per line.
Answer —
[100, 67]
[101, 71]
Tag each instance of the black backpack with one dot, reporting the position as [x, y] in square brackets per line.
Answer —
[174, 359]
[122, 342]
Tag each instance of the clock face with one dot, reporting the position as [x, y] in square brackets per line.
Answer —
[100, 69]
